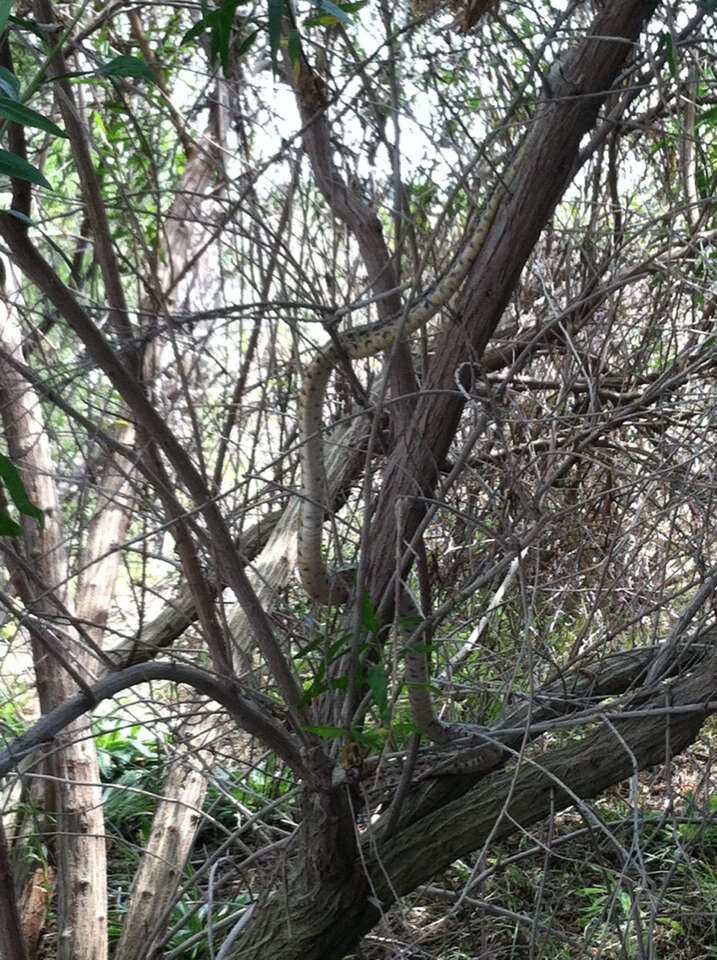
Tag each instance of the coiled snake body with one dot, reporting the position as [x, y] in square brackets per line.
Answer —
[356, 344]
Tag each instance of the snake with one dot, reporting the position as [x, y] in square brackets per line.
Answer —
[356, 344]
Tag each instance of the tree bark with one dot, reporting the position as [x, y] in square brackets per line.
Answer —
[40, 578]
[170, 841]
[332, 923]
[577, 86]
[12, 941]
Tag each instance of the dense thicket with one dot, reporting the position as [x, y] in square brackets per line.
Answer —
[199, 761]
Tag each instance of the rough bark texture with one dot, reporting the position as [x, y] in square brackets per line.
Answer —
[40, 579]
[108, 528]
[577, 772]
[35, 907]
[338, 882]
[162, 865]
[12, 941]
[495, 808]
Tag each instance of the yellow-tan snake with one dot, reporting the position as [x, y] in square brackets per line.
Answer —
[356, 344]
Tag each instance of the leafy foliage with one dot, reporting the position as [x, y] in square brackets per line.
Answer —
[14, 485]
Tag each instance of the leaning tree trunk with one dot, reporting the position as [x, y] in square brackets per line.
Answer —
[326, 921]
[577, 85]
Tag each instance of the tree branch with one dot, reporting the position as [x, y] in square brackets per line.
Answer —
[224, 692]
[39, 272]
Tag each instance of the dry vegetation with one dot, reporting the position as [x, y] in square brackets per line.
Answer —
[537, 465]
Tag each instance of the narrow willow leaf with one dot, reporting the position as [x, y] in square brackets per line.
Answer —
[126, 66]
[18, 169]
[247, 43]
[378, 685]
[276, 12]
[19, 113]
[369, 619]
[5, 7]
[198, 29]
[23, 218]
[328, 733]
[707, 116]
[8, 527]
[333, 10]
[370, 739]
[667, 39]
[9, 84]
[324, 20]
[353, 7]
[16, 489]
[294, 48]
[333, 13]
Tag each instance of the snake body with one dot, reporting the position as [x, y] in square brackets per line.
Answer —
[360, 342]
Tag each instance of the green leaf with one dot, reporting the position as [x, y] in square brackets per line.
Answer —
[328, 733]
[48, 239]
[19, 113]
[23, 218]
[220, 22]
[309, 648]
[328, 7]
[294, 48]
[219, 46]
[9, 83]
[313, 691]
[707, 116]
[667, 40]
[29, 26]
[247, 42]
[378, 685]
[276, 13]
[402, 729]
[370, 739]
[410, 623]
[5, 7]
[15, 488]
[18, 169]
[337, 648]
[126, 66]
[198, 29]
[222, 33]
[8, 527]
[333, 13]
[324, 20]
[369, 619]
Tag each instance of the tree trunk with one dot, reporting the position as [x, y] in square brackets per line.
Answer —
[578, 84]
[40, 578]
[334, 921]
[345, 906]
